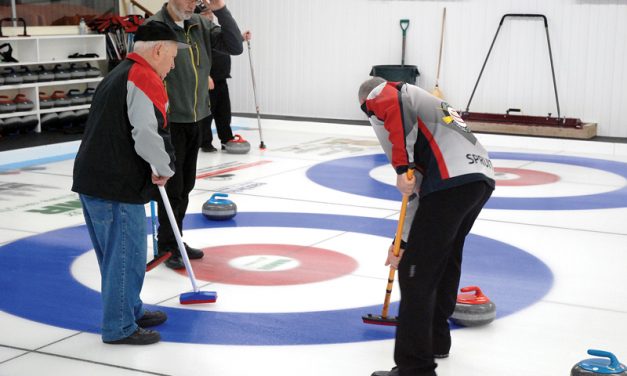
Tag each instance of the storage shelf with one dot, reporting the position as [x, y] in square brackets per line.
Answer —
[16, 113]
[64, 108]
[50, 83]
[19, 86]
[48, 50]
[59, 61]
[68, 82]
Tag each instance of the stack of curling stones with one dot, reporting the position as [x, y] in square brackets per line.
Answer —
[473, 309]
[237, 145]
[596, 366]
[219, 209]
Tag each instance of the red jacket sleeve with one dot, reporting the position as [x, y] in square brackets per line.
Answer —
[388, 107]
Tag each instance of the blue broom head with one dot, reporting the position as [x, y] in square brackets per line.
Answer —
[198, 297]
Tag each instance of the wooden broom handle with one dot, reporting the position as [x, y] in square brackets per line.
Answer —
[397, 249]
[437, 76]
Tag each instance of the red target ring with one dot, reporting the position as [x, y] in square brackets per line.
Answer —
[516, 177]
[271, 264]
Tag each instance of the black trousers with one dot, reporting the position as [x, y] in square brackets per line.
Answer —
[221, 113]
[429, 274]
[185, 139]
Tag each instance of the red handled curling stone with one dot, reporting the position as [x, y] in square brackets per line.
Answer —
[218, 209]
[596, 366]
[473, 309]
[237, 145]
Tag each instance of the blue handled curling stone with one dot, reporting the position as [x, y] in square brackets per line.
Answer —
[596, 366]
[218, 209]
[237, 145]
[473, 309]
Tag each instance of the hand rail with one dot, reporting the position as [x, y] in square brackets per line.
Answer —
[140, 6]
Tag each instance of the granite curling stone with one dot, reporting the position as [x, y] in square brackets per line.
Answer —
[237, 145]
[473, 309]
[219, 209]
[598, 366]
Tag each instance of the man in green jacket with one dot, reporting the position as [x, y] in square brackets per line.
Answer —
[187, 87]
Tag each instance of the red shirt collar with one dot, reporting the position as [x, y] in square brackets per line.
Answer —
[140, 60]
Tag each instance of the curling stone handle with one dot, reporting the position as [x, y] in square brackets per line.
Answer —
[614, 363]
[476, 289]
[214, 199]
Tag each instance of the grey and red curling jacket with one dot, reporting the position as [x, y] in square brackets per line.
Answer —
[125, 134]
[418, 130]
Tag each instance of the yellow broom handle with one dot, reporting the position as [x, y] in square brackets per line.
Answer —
[397, 249]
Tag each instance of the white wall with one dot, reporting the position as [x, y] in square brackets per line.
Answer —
[310, 56]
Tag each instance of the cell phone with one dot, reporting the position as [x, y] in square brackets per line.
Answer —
[200, 6]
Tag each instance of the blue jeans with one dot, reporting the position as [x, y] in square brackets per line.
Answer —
[118, 233]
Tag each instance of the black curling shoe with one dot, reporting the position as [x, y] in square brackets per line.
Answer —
[175, 262]
[140, 337]
[194, 253]
[392, 372]
[151, 318]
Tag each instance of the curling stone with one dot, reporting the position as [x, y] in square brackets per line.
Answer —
[237, 145]
[218, 209]
[28, 77]
[11, 125]
[44, 75]
[81, 116]
[76, 97]
[596, 366]
[45, 101]
[7, 105]
[28, 123]
[473, 309]
[61, 73]
[22, 103]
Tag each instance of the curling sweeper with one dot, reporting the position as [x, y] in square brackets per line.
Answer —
[196, 296]
[383, 318]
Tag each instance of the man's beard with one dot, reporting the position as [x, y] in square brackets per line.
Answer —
[183, 15]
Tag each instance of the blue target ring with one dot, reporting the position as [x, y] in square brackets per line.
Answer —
[37, 285]
[355, 179]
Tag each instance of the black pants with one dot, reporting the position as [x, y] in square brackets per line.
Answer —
[221, 112]
[429, 274]
[185, 139]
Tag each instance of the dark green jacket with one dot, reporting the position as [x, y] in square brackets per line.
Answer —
[187, 84]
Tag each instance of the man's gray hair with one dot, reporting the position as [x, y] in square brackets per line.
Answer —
[142, 46]
[367, 86]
